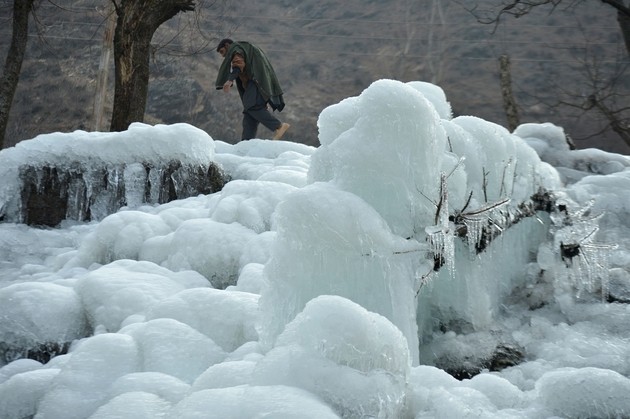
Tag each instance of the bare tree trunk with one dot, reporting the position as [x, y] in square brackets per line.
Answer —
[410, 31]
[13, 64]
[623, 17]
[103, 71]
[509, 104]
[137, 22]
[435, 49]
[624, 24]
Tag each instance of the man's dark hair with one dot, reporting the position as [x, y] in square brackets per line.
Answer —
[224, 43]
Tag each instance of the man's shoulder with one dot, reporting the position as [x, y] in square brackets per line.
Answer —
[240, 46]
[247, 46]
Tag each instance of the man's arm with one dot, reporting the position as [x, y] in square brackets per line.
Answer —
[230, 81]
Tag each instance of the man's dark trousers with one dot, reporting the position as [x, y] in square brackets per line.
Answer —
[255, 112]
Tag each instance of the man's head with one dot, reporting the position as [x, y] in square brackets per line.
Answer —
[223, 46]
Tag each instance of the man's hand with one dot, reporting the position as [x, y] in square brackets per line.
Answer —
[227, 86]
[238, 61]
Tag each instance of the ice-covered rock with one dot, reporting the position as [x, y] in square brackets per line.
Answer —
[86, 176]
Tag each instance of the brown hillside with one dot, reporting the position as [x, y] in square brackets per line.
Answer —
[323, 51]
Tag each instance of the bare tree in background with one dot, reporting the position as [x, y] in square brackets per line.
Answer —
[98, 113]
[421, 43]
[604, 88]
[493, 13]
[399, 62]
[604, 91]
[136, 23]
[509, 103]
[436, 47]
[13, 63]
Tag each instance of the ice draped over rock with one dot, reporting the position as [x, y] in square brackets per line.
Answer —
[383, 153]
[330, 242]
[393, 122]
[351, 172]
[55, 176]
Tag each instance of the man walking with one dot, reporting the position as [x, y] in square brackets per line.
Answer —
[247, 65]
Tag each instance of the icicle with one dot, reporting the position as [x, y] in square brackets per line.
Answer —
[474, 231]
[39, 184]
[441, 236]
[90, 179]
[155, 185]
[135, 178]
[181, 180]
[596, 260]
[449, 251]
[76, 200]
[104, 191]
[442, 245]
[586, 262]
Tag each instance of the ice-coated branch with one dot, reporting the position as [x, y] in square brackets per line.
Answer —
[479, 227]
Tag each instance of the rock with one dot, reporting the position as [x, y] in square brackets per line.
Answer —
[619, 286]
[50, 195]
[504, 355]
[42, 352]
[465, 355]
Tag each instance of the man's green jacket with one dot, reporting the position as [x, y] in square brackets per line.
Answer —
[257, 68]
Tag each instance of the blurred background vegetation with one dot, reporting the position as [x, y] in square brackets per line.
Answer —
[324, 51]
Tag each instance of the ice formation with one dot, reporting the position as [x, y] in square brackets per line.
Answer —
[318, 281]
[86, 176]
[393, 161]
